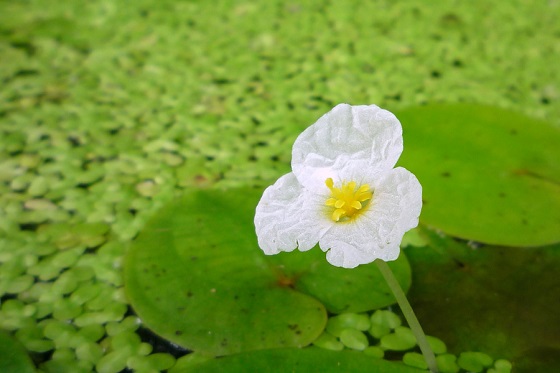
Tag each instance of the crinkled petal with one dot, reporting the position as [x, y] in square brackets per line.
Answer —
[378, 231]
[402, 183]
[364, 135]
[288, 217]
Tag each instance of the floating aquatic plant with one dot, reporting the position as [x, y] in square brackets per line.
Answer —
[344, 194]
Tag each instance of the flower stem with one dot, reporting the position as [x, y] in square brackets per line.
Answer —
[408, 314]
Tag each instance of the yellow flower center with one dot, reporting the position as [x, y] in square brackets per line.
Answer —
[348, 201]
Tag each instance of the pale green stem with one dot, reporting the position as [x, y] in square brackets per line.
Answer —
[408, 314]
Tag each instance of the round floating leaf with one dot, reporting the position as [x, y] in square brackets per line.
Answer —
[328, 342]
[299, 361]
[354, 339]
[437, 345]
[358, 289]
[447, 363]
[414, 359]
[13, 357]
[403, 339]
[197, 277]
[516, 292]
[474, 361]
[386, 318]
[337, 324]
[488, 175]
[502, 366]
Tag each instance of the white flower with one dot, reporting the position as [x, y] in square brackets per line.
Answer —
[343, 192]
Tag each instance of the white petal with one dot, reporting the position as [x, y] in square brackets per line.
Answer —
[363, 134]
[402, 184]
[378, 231]
[288, 217]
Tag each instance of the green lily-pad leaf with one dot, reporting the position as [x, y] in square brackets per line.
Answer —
[197, 277]
[13, 357]
[502, 301]
[358, 289]
[298, 361]
[488, 175]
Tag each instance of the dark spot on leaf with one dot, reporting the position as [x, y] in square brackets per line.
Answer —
[74, 141]
[28, 227]
[286, 281]
[502, 195]
[396, 97]
[26, 72]
[29, 49]
[450, 20]
[200, 179]
[221, 81]
[513, 132]
[178, 332]
[460, 264]
[457, 63]
[446, 174]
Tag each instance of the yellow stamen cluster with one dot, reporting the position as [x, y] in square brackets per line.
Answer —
[347, 200]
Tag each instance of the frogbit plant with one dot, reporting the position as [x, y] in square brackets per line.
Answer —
[345, 194]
